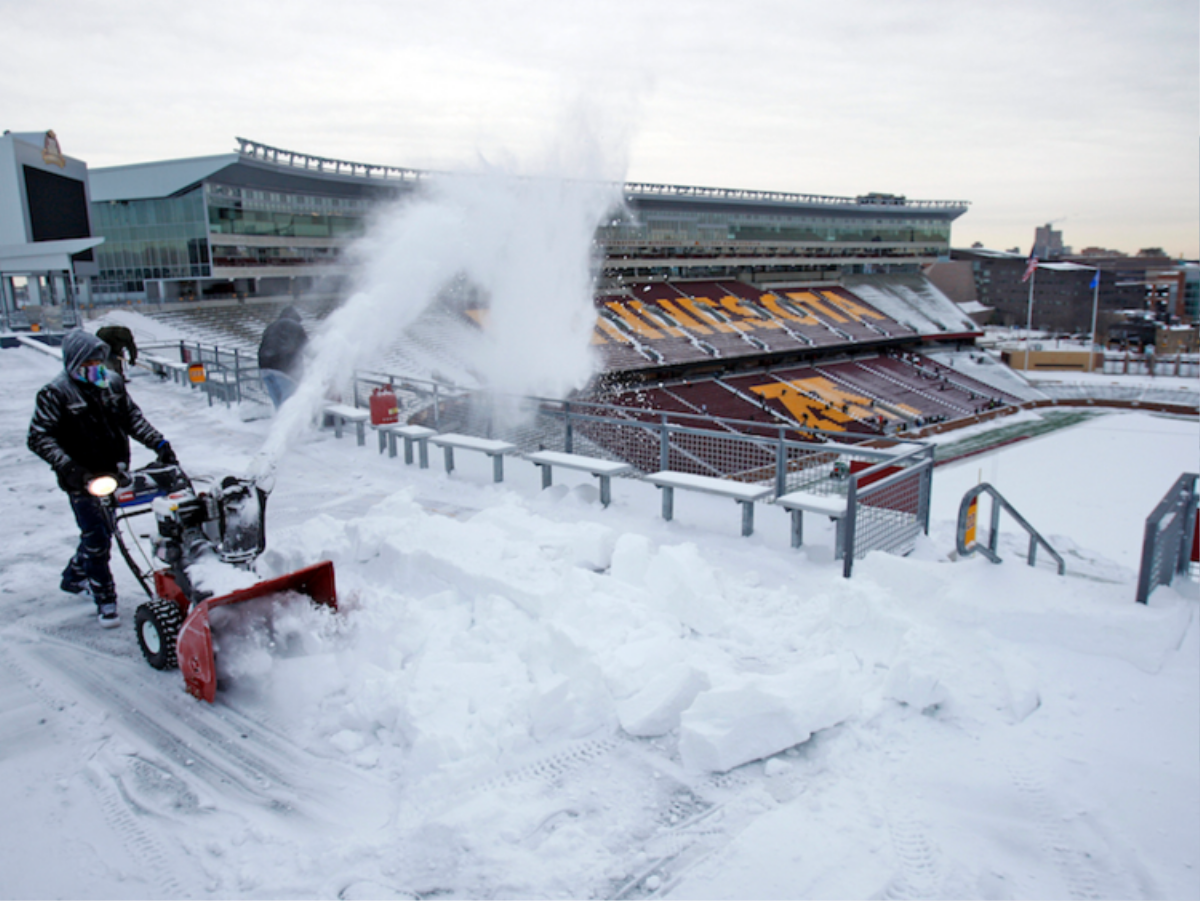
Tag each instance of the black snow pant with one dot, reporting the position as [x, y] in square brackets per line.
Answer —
[90, 562]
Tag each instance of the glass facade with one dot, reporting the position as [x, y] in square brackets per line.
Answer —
[252, 211]
[688, 226]
[259, 214]
[170, 237]
[163, 237]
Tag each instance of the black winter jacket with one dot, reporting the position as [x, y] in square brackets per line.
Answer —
[77, 422]
[282, 342]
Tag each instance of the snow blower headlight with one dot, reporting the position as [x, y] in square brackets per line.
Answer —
[102, 486]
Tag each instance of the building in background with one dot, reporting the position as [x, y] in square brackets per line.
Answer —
[1063, 297]
[258, 221]
[46, 242]
[1048, 242]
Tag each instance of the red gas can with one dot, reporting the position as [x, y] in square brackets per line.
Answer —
[384, 408]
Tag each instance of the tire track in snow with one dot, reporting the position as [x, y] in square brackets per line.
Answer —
[159, 868]
[142, 846]
[1079, 869]
[217, 747]
[921, 872]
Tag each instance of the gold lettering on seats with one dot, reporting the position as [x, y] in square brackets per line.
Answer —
[771, 302]
[749, 317]
[821, 398]
[634, 322]
[658, 320]
[684, 319]
[807, 411]
[696, 304]
[611, 330]
[810, 301]
[853, 307]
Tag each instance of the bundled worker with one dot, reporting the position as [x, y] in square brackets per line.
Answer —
[121, 346]
[279, 355]
[82, 422]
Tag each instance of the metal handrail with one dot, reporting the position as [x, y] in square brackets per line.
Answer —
[989, 550]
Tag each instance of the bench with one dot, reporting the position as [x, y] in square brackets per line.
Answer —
[831, 505]
[160, 367]
[411, 434]
[745, 494]
[604, 470]
[342, 414]
[448, 441]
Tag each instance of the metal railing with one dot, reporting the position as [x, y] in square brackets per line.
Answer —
[967, 523]
[1169, 536]
[886, 482]
[231, 375]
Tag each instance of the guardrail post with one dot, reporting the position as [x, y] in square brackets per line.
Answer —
[781, 465]
[237, 373]
[569, 437]
[664, 445]
[848, 523]
[994, 535]
[926, 493]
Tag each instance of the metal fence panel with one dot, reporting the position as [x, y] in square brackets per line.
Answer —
[1167, 542]
[889, 514]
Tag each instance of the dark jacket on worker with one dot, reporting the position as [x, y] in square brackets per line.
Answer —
[281, 344]
[118, 338]
[81, 423]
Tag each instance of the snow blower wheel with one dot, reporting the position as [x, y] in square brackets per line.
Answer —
[157, 624]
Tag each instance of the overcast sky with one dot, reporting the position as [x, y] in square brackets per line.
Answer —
[1081, 112]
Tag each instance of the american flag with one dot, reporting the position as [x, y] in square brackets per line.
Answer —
[1030, 266]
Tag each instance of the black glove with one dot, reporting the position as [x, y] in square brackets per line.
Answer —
[74, 477]
[166, 456]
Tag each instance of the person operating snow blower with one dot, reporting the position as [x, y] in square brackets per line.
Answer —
[81, 426]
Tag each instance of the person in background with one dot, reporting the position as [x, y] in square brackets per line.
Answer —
[279, 355]
[120, 341]
[82, 422]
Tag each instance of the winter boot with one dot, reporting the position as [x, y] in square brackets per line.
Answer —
[107, 614]
[73, 580]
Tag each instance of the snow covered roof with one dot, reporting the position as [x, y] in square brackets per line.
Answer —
[1066, 267]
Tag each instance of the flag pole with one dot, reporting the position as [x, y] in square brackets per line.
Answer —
[1029, 315]
[1095, 307]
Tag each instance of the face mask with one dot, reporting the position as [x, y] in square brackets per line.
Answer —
[95, 374]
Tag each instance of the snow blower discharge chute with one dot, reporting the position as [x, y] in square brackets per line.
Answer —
[196, 521]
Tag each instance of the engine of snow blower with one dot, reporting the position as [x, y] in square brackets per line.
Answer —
[198, 522]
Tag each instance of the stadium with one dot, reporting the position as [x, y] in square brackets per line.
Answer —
[802, 310]
[745, 337]
[533, 687]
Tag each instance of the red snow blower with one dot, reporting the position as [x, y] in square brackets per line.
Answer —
[196, 521]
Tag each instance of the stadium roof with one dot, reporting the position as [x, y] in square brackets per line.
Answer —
[143, 181]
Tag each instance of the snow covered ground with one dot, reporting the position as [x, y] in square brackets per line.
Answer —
[528, 695]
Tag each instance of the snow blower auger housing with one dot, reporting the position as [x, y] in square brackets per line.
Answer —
[195, 521]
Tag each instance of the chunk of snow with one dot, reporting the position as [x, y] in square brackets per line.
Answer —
[755, 716]
[655, 710]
